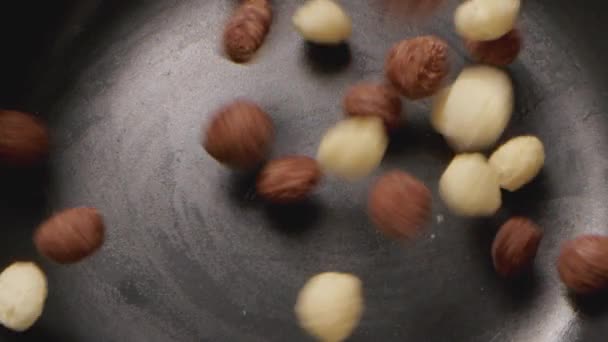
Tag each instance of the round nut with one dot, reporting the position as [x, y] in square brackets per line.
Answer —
[518, 161]
[70, 235]
[353, 148]
[583, 264]
[500, 52]
[486, 19]
[474, 111]
[246, 30]
[372, 99]
[23, 291]
[24, 140]
[330, 305]
[469, 186]
[240, 135]
[399, 204]
[515, 246]
[418, 66]
[287, 180]
[322, 22]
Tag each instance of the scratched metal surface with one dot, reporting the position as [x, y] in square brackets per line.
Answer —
[191, 255]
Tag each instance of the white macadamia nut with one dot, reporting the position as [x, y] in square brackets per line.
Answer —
[322, 22]
[518, 161]
[353, 148]
[474, 111]
[469, 186]
[23, 290]
[481, 20]
[330, 306]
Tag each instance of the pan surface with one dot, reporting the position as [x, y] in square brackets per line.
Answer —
[192, 255]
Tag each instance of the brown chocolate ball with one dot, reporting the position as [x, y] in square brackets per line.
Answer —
[247, 29]
[240, 135]
[24, 140]
[583, 264]
[418, 66]
[289, 179]
[499, 52]
[515, 246]
[399, 204]
[70, 235]
[374, 99]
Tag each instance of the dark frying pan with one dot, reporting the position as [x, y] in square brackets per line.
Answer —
[191, 255]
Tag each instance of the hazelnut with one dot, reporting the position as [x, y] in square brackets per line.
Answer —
[24, 140]
[23, 292]
[372, 99]
[583, 264]
[499, 52]
[240, 135]
[246, 30]
[70, 235]
[399, 204]
[417, 66]
[515, 246]
[289, 179]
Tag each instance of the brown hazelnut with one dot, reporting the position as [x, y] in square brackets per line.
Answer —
[399, 204]
[515, 246]
[499, 52]
[372, 99]
[24, 140]
[583, 264]
[417, 66]
[70, 235]
[289, 179]
[246, 29]
[240, 135]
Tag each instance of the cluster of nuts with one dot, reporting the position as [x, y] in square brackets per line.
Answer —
[67, 237]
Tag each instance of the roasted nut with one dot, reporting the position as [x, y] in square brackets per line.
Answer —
[486, 19]
[515, 246]
[474, 111]
[287, 180]
[469, 186]
[499, 52]
[399, 204]
[417, 66]
[240, 135]
[70, 235]
[247, 28]
[583, 264]
[518, 161]
[23, 291]
[24, 140]
[330, 305]
[322, 22]
[353, 148]
[373, 99]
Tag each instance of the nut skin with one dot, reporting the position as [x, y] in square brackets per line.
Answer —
[70, 235]
[24, 140]
[246, 30]
[399, 205]
[583, 264]
[240, 135]
[373, 99]
[515, 246]
[289, 179]
[500, 52]
[418, 66]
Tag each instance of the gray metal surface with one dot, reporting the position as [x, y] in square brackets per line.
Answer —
[191, 254]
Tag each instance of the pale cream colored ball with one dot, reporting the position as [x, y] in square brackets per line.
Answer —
[23, 291]
[481, 20]
[330, 305]
[322, 22]
[353, 148]
[469, 186]
[518, 161]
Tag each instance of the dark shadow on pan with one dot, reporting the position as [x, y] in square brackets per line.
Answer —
[294, 219]
[328, 59]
